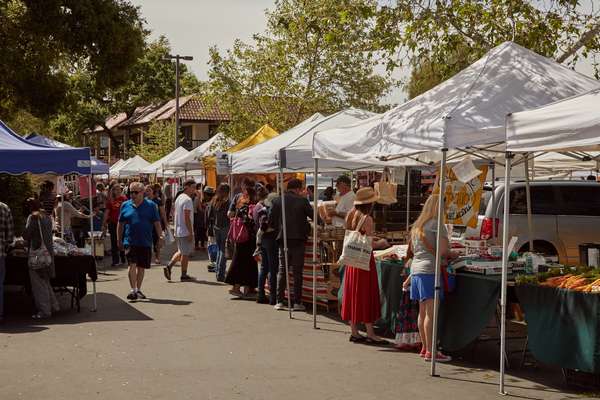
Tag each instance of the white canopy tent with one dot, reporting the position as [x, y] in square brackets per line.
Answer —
[133, 166]
[466, 113]
[118, 163]
[291, 151]
[570, 125]
[159, 166]
[193, 159]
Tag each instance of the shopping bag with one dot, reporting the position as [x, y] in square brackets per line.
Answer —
[212, 251]
[386, 190]
[169, 238]
[357, 248]
[238, 231]
[40, 257]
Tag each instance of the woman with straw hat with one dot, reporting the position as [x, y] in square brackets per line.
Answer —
[361, 302]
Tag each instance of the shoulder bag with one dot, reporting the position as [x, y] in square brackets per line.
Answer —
[40, 257]
[357, 248]
[385, 189]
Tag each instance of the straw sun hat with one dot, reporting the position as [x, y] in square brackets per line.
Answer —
[365, 195]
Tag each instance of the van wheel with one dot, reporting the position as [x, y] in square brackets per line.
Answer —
[541, 246]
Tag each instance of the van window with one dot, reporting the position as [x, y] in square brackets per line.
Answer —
[486, 198]
[544, 200]
[580, 200]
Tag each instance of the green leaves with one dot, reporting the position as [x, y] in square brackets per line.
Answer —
[313, 57]
[441, 38]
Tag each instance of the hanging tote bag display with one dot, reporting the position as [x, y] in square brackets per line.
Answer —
[385, 189]
[357, 248]
[40, 257]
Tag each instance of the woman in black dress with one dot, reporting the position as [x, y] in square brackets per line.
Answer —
[243, 271]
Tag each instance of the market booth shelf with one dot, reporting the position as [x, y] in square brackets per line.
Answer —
[19, 156]
[563, 320]
[466, 113]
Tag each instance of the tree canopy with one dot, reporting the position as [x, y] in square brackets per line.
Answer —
[312, 57]
[41, 42]
[150, 80]
[438, 38]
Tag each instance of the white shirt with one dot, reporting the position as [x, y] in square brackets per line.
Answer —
[183, 202]
[344, 205]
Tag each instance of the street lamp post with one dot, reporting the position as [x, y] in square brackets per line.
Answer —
[177, 57]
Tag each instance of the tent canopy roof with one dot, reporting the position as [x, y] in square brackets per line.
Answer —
[98, 167]
[193, 159]
[292, 150]
[158, 165]
[573, 123]
[466, 110]
[263, 133]
[18, 156]
[132, 166]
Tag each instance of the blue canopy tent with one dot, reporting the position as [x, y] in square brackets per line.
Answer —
[98, 167]
[19, 156]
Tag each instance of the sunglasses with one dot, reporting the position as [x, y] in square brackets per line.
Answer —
[134, 192]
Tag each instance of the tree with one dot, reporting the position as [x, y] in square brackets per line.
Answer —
[439, 38]
[43, 41]
[158, 141]
[313, 57]
[151, 80]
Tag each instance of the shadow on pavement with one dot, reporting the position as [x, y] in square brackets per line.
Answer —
[201, 282]
[166, 301]
[18, 311]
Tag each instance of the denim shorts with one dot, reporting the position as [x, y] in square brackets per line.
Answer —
[422, 287]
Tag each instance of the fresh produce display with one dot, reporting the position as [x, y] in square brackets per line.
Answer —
[581, 279]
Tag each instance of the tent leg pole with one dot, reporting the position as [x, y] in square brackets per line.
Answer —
[315, 241]
[407, 199]
[90, 194]
[505, 256]
[528, 195]
[438, 260]
[62, 214]
[285, 246]
[494, 212]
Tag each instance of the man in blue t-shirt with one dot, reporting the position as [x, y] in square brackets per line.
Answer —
[137, 218]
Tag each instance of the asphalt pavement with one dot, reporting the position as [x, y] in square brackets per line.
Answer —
[191, 340]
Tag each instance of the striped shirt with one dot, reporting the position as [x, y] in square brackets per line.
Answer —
[7, 230]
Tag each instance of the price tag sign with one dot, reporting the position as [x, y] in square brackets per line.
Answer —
[222, 163]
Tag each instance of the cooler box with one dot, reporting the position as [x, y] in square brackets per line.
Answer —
[589, 254]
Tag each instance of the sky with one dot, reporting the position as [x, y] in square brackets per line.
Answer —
[193, 26]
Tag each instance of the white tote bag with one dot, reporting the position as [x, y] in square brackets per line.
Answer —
[169, 239]
[357, 248]
[385, 189]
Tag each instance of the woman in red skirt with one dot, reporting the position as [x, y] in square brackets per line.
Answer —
[360, 303]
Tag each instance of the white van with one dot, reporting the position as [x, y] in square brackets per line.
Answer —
[565, 214]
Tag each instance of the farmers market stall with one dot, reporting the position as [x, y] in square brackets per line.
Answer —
[465, 114]
[19, 156]
[563, 326]
[71, 272]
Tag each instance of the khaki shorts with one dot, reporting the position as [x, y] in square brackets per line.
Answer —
[185, 245]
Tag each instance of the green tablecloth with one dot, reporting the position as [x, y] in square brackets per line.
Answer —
[563, 326]
[390, 277]
[466, 311]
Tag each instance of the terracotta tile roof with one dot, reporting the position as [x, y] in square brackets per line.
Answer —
[190, 109]
[112, 122]
[196, 109]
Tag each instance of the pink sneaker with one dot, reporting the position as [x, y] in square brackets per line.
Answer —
[439, 357]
